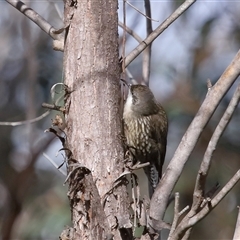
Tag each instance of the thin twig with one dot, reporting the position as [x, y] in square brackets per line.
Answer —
[130, 32]
[54, 164]
[45, 105]
[60, 14]
[124, 38]
[53, 107]
[183, 211]
[135, 52]
[177, 215]
[14, 124]
[146, 16]
[220, 129]
[146, 64]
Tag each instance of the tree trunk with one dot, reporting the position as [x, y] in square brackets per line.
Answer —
[93, 121]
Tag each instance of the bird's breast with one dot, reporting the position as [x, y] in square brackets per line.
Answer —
[138, 133]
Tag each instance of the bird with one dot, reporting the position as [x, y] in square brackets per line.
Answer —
[145, 125]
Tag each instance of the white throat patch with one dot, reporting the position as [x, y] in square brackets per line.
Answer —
[128, 104]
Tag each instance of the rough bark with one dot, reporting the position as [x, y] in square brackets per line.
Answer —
[92, 72]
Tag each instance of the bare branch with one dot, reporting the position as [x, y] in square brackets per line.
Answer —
[236, 235]
[204, 168]
[14, 124]
[36, 18]
[190, 138]
[130, 31]
[146, 64]
[135, 52]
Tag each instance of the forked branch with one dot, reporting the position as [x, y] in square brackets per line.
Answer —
[188, 221]
[198, 209]
[205, 165]
[190, 138]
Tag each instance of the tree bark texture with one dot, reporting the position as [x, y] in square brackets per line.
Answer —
[93, 121]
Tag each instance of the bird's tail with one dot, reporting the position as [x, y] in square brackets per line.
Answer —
[153, 178]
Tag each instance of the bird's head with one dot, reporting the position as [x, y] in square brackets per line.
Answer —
[140, 101]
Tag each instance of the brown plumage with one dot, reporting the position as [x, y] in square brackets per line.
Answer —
[145, 129]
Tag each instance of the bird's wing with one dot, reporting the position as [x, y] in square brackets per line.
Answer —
[159, 135]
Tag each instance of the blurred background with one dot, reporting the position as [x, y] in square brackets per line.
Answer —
[197, 47]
